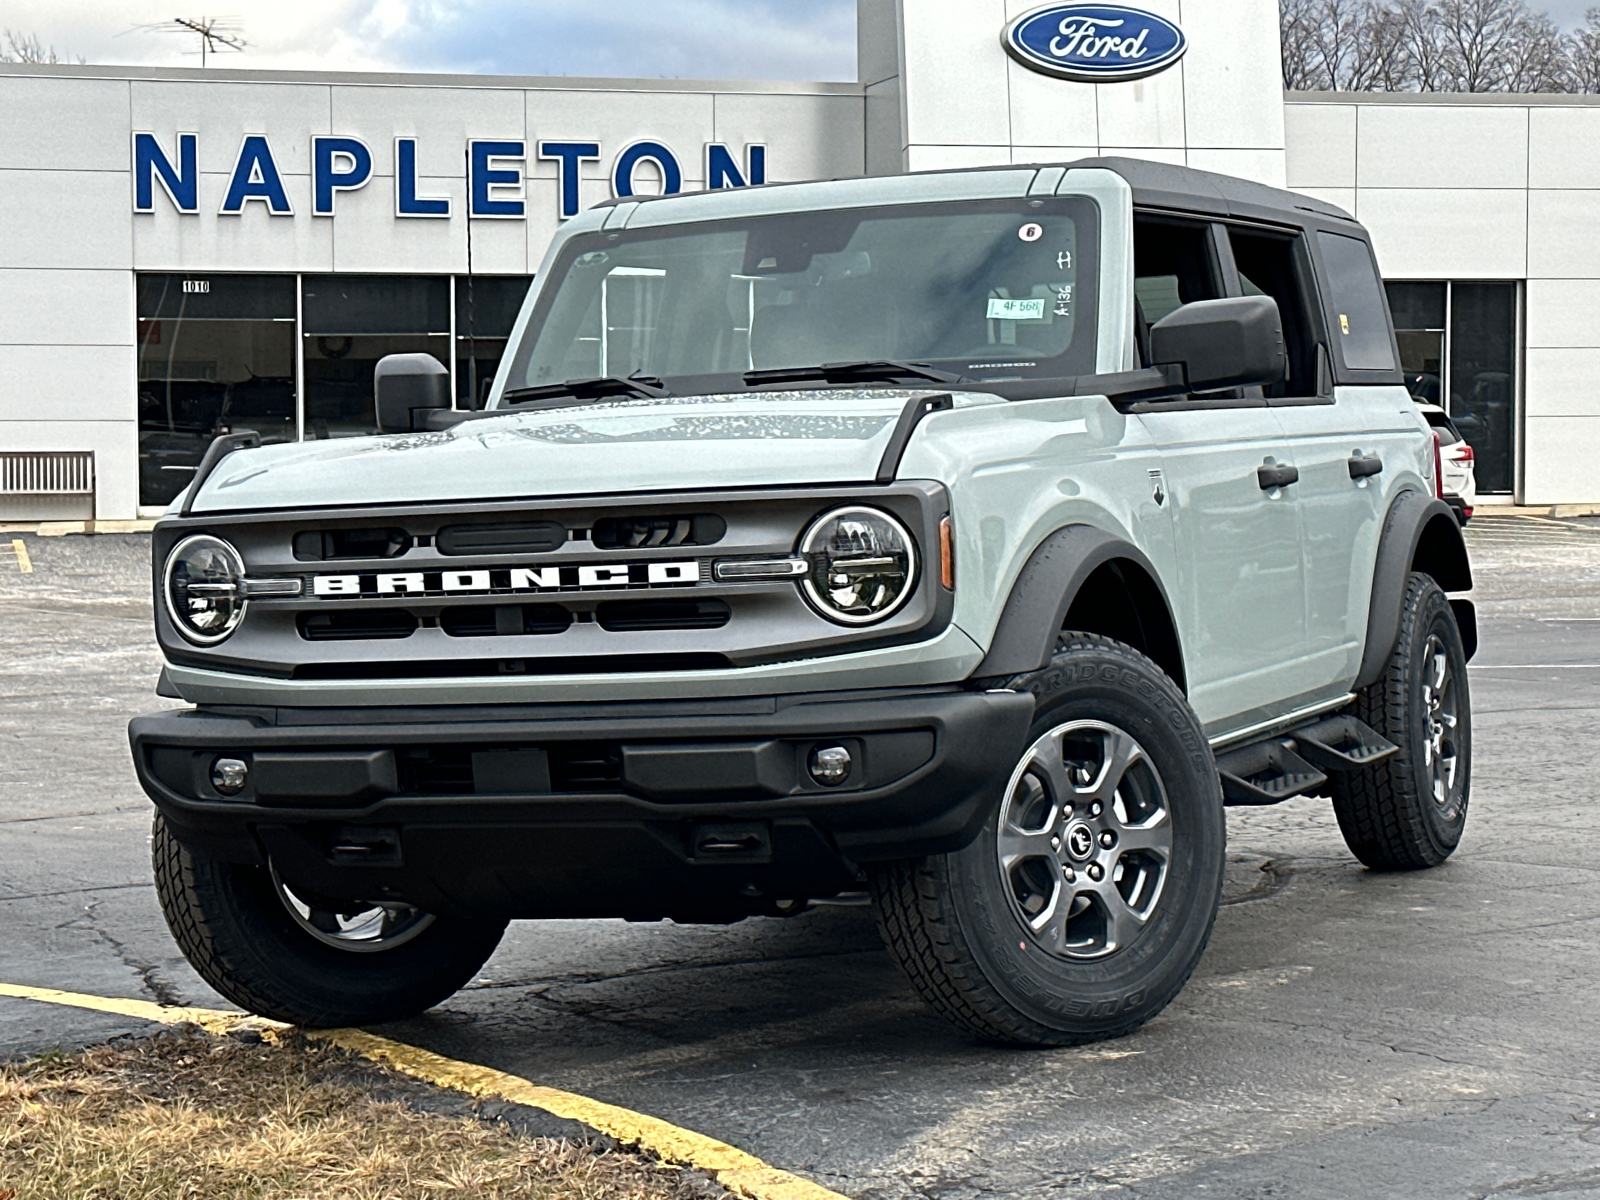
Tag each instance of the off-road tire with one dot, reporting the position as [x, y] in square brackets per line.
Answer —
[1387, 812]
[232, 927]
[948, 919]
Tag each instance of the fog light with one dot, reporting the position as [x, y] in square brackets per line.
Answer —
[830, 765]
[228, 776]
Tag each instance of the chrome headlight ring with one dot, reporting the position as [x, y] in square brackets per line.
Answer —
[863, 564]
[203, 585]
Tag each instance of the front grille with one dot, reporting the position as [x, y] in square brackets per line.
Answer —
[626, 533]
[447, 770]
[356, 624]
[633, 616]
[504, 619]
[326, 545]
[533, 537]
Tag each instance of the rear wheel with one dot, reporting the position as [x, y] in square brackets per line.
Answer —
[1085, 903]
[288, 955]
[1409, 811]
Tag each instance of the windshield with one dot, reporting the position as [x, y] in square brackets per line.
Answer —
[989, 289]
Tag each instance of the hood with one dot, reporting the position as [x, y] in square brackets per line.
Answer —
[668, 444]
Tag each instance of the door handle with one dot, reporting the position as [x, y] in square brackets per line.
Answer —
[1276, 475]
[1362, 465]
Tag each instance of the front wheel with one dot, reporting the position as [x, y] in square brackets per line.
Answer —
[1087, 900]
[291, 957]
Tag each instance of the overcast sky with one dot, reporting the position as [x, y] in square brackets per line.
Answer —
[686, 39]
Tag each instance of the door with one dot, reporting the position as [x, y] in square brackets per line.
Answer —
[1240, 593]
[1330, 440]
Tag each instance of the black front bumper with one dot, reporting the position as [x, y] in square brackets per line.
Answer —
[695, 810]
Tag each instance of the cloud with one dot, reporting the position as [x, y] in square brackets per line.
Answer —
[687, 39]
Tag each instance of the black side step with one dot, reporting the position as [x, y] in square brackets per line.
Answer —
[1266, 773]
[1343, 744]
[1292, 764]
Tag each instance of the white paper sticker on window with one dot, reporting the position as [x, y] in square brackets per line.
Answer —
[1004, 309]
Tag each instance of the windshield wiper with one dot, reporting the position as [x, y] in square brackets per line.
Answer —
[880, 370]
[639, 387]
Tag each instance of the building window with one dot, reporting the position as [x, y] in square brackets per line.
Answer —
[1458, 349]
[486, 309]
[349, 322]
[216, 355]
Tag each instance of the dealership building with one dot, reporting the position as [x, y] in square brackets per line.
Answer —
[186, 251]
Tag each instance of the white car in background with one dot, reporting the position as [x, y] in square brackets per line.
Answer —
[1456, 461]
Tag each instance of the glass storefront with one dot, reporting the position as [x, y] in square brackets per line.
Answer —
[215, 353]
[1458, 348]
[220, 353]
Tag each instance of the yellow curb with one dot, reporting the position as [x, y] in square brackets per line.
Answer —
[20, 549]
[741, 1173]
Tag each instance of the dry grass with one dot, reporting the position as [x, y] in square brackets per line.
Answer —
[184, 1116]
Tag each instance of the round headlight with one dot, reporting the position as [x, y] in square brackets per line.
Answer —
[863, 564]
[205, 588]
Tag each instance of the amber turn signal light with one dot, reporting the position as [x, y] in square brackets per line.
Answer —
[947, 556]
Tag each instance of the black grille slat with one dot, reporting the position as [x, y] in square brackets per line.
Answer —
[360, 624]
[528, 537]
[631, 616]
[327, 545]
[598, 664]
[498, 620]
[630, 533]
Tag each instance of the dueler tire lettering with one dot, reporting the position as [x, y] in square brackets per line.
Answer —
[952, 925]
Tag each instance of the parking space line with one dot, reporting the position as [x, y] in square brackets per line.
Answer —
[20, 549]
[739, 1172]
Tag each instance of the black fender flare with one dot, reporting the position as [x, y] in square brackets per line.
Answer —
[1411, 517]
[1036, 610]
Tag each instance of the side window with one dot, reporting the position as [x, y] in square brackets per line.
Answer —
[1173, 264]
[1357, 309]
[1272, 264]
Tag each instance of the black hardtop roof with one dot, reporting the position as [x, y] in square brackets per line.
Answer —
[1189, 189]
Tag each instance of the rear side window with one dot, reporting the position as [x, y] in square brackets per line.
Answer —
[1358, 310]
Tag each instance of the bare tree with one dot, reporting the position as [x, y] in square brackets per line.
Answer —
[1583, 55]
[1343, 45]
[27, 48]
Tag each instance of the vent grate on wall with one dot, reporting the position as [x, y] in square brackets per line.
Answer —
[47, 473]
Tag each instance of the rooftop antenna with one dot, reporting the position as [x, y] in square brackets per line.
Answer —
[216, 33]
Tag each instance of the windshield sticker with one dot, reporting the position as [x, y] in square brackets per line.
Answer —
[1063, 299]
[1031, 232]
[1006, 309]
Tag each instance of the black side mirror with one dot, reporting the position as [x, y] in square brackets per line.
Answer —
[407, 388]
[1222, 343]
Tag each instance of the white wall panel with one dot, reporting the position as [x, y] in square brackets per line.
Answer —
[1052, 154]
[955, 72]
[1563, 312]
[1050, 112]
[66, 307]
[288, 113]
[1143, 112]
[65, 219]
[1429, 234]
[955, 158]
[885, 149]
[1427, 146]
[116, 454]
[440, 118]
[1320, 145]
[61, 123]
[1562, 382]
[368, 238]
[501, 247]
[166, 240]
[1232, 74]
[807, 137]
[1560, 453]
[1263, 165]
[1177, 156]
[1564, 147]
[66, 383]
[1562, 234]
[682, 121]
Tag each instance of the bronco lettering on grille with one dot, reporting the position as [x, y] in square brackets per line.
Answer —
[564, 578]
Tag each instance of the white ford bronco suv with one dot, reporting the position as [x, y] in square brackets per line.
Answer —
[966, 539]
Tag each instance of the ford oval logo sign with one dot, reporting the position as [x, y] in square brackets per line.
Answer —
[1094, 43]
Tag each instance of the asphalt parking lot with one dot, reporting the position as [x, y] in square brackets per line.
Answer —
[1347, 1034]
